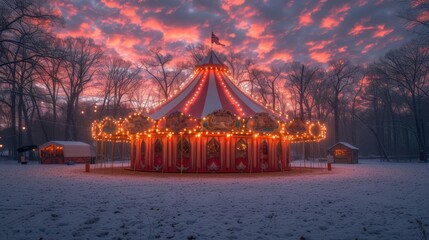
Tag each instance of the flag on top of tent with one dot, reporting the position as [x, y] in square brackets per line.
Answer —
[215, 39]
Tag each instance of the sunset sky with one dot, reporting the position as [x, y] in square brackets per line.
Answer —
[313, 31]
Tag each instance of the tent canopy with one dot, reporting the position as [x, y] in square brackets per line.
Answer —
[210, 89]
[70, 148]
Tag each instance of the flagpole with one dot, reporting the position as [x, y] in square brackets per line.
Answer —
[211, 40]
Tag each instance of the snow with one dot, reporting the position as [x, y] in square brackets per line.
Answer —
[344, 144]
[369, 200]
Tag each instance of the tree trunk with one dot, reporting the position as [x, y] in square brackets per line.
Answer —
[301, 94]
[336, 120]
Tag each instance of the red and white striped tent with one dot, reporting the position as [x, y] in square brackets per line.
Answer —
[222, 138]
[210, 89]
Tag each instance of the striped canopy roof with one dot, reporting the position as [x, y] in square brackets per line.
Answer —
[210, 89]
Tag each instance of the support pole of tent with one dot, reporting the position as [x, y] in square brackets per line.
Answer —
[96, 152]
[103, 148]
[324, 150]
[122, 153]
[303, 152]
[112, 150]
[181, 153]
[99, 152]
[104, 153]
[193, 148]
[312, 153]
[164, 158]
[318, 153]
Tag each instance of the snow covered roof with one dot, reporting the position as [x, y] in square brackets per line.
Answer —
[210, 89]
[70, 148]
[348, 145]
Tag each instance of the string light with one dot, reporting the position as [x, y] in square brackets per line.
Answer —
[110, 129]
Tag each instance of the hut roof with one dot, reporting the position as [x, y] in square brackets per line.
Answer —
[348, 145]
[70, 148]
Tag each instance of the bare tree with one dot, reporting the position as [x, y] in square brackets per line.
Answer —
[417, 16]
[300, 79]
[19, 18]
[265, 82]
[272, 77]
[408, 68]
[51, 73]
[121, 78]
[319, 94]
[159, 69]
[237, 66]
[23, 30]
[198, 52]
[375, 106]
[82, 57]
[341, 76]
[258, 83]
[140, 97]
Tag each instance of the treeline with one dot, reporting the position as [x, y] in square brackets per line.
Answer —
[52, 88]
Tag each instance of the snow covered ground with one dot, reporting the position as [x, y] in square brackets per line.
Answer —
[371, 200]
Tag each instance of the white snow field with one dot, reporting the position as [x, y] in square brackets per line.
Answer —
[370, 200]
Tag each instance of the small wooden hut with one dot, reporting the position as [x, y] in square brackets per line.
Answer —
[344, 153]
[64, 152]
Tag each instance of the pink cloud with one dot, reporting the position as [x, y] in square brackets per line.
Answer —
[313, 46]
[342, 49]
[242, 24]
[85, 29]
[361, 3]
[226, 5]
[284, 56]
[68, 8]
[111, 3]
[305, 17]
[109, 20]
[130, 13]
[423, 17]
[321, 57]
[256, 30]
[172, 33]
[265, 46]
[335, 17]
[360, 42]
[358, 29]
[382, 31]
[368, 47]
[124, 45]
[248, 12]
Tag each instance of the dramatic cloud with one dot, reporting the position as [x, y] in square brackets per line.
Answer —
[268, 31]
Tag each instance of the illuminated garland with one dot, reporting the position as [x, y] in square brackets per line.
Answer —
[137, 126]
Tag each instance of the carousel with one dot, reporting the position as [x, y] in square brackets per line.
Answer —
[209, 126]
